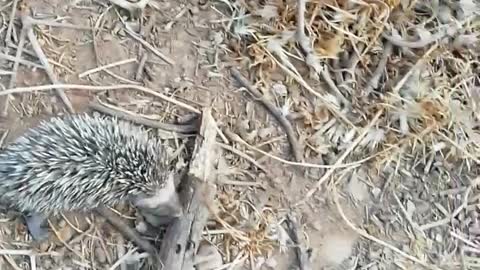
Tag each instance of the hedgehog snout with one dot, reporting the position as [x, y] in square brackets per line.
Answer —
[163, 201]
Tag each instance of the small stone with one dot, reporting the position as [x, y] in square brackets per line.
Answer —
[100, 255]
[280, 89]
[265, 133]
[47, 263]
[194, 10]
[44, 246]
[141, 227]
[438, 238]
[376, 192]
[65, 233]
[271, 262]
[410, 208]
[444, 14]
[62, 223]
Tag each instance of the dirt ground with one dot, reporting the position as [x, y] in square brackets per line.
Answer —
[191, 33]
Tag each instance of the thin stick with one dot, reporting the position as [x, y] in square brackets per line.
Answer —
[404, 79]
[26, 252]
[142, 121]
[460, 148]
[13, 78]
[326, 77]
[126, 231]
[97, 59]
[373, 83]
[376, 240]
[8, 37]
[98, 88]
[122, 259]
[121, 250]
[294, 144]
[57, 24]
[345, 154]
[234, 137]
[304, 42]
[141, 66]
[130, 6]
[21, 61]
[409, 219]
[114, 64]
[302, 256]
[245, 156]
[330, 105]
[150, 47]
[310, 58]
[27, 22]
[422, 42]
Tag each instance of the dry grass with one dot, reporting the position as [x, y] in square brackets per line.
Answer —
[416, 64]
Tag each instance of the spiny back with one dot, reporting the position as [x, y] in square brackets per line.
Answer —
[79, 162]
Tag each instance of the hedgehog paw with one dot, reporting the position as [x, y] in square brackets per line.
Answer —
[35, 222]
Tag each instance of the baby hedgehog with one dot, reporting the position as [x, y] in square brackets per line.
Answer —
[81, 162]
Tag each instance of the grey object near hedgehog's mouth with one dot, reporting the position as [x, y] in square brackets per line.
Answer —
[162, 214]
[164, 204]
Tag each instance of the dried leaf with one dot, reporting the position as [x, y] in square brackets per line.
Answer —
[330, 47]
[280, 89]
[268, 12]
[469, 7]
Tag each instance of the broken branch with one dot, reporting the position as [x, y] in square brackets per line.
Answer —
[294, 144]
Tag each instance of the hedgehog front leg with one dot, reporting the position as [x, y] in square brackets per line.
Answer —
[35, 222]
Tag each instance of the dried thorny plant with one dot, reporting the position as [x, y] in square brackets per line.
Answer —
[433, 109]
[416, 61]
[241, 229]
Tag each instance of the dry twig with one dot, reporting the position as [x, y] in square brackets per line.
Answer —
[245, 156]
[340, 160]
[292, 138]
[132, 7]
[422, 42]
[13, 78]
[140, 120]
[19, 60]
[302, 256]
[377, 74]
[376, 240]
[310, 57]
[304, 42]
[98, 88]
[128, 232]
[114, 64]
[8, 37]
[148, 46]
[183, 236]
[43, 59]
[236, 138]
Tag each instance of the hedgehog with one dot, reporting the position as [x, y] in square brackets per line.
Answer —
[80, 162]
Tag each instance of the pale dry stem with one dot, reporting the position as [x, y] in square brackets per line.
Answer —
[340, 160]
[99, 88]
[376, 240]
[287, 126]
[107, 66]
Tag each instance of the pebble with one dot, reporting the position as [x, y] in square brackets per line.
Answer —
[195, 10]
[438, 238]
[100, 255]
[376, 192]
[47, 263]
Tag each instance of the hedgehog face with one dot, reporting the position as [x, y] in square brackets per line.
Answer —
[164, 198]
